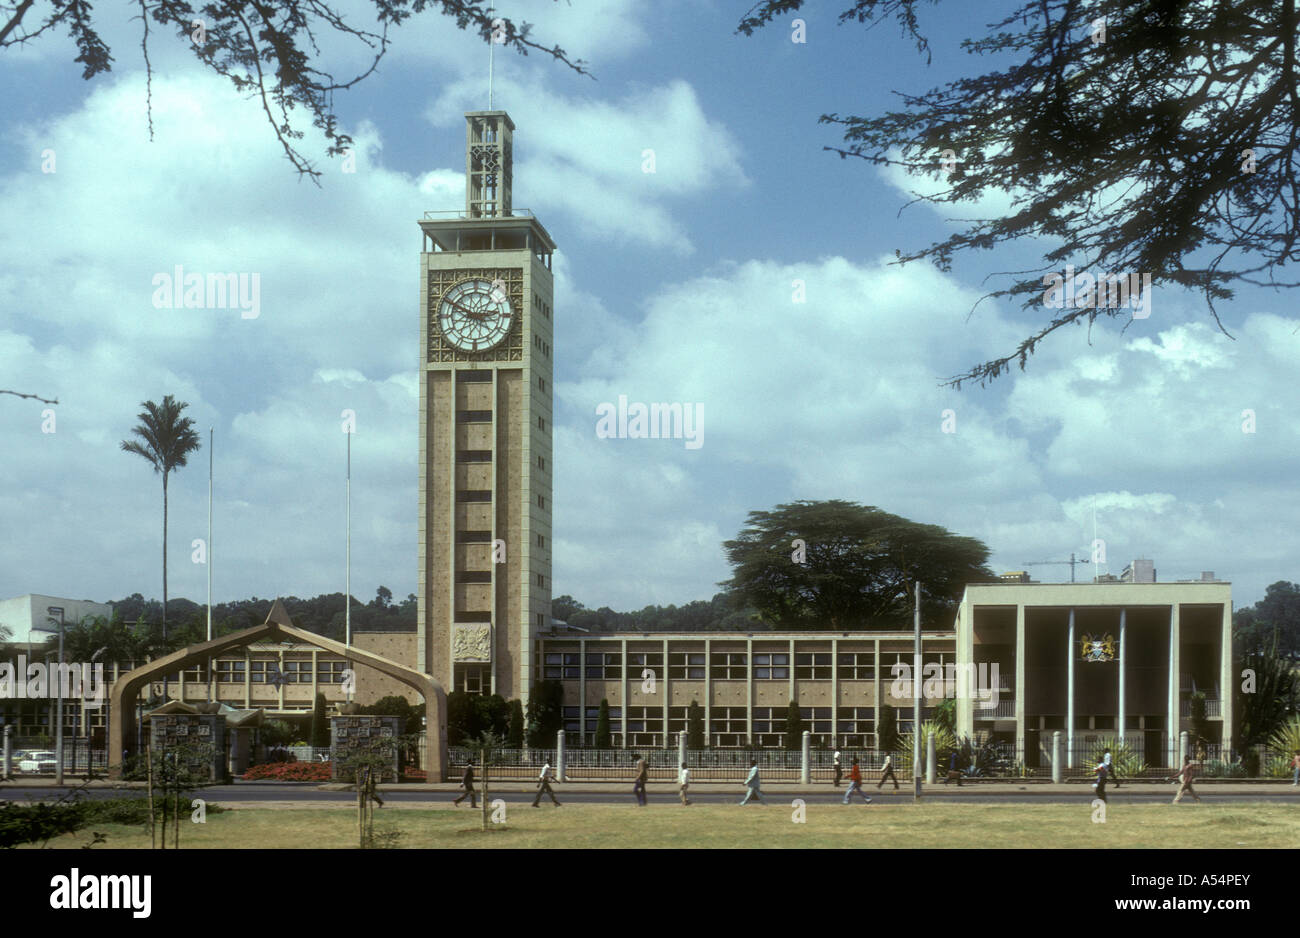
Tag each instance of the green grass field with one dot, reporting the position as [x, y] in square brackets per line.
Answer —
[673, 826]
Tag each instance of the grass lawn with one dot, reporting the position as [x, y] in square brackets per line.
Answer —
[673, 826]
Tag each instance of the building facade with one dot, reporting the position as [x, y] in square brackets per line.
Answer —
[1114, 659]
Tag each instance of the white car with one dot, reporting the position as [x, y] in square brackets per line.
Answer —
[37, 763]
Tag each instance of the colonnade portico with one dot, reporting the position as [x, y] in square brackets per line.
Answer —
[1156, 667]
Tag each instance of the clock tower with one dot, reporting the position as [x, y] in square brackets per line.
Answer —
[486, 289]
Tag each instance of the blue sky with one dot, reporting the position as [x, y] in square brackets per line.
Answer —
[673, 286]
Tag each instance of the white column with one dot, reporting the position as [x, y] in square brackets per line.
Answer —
[805, 777]
[662, 681]
[1020, 679]
[1174, 716]
[835, 693]
[1227, 680]
[1069, 694]
[582, 688]
[624, 708]
[1123, 663]
[708, 692]
[749, 695]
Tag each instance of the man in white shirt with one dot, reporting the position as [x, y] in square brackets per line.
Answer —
[544, 785]
[839, 772]
[684, 782]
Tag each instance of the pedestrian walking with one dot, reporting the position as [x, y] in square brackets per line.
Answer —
[544, 785]
[752, 784]
[1099, 786]
[638, 784]
[953, 771]
[1110, 767]
[1186, 775]
[887, 771]
[855, 784]
[684, 783]
[1295, 769]
[839, 773]
[467, 783]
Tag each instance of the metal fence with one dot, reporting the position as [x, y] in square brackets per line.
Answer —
[993, 763]
[39, 754]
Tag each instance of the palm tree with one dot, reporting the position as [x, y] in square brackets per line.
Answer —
[166, 440]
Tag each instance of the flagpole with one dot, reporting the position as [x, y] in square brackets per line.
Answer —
[209, 557]
[209, 534]
[347, 599]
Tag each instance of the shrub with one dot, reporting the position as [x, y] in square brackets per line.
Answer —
[1218, 768]
[289, 772]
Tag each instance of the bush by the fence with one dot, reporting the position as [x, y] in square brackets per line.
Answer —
[289, 772]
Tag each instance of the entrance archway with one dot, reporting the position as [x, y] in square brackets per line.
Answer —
[278, 625]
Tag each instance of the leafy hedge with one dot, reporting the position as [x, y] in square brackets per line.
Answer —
[289, 772]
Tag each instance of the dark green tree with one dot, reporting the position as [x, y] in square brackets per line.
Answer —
[695, 726]
[320, 724]
[1268, 695]
[945, 715]
[545, 714]
[603, 740]
[793, 727]
[837, 564]
[462, 718]
[1272, 625]
[492, 715]
[887, 729]
[164, 439]
[515, 730]
[1165, 145]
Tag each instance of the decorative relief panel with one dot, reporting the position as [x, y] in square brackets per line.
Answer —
[471, 643]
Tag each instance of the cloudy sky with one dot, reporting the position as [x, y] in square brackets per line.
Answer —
[677, 286]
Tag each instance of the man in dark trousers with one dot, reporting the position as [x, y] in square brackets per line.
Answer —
[544, 785]
[887, 771]
[638, 785]
[839, 772]
[953, 771]
[1100, 785]
[467, 783]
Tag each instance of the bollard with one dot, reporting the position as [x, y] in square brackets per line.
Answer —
[559, 757]
[1182, 748]
[681, 749]
[804, 775]
[9, 755]
[1056, 758]
[929, 759]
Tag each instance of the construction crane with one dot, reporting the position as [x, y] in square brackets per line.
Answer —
[1058, 563]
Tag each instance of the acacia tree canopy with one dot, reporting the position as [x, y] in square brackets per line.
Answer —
[1163, 144]
[837, 564]
[266, 48]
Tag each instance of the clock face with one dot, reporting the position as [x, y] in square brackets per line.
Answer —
[475, 315]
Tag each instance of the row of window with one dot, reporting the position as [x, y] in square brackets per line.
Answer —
[543, 347]
[260, 672]
[690, 666]
[485, 537]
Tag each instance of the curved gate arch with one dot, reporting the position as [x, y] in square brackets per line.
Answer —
[278, 625]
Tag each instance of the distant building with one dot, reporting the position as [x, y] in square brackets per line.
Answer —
[1139, 571]
[1015, 576]
[27, 617]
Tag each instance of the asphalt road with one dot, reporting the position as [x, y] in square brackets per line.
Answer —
[515, 796]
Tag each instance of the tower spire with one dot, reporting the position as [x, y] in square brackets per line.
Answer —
[489, 144]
